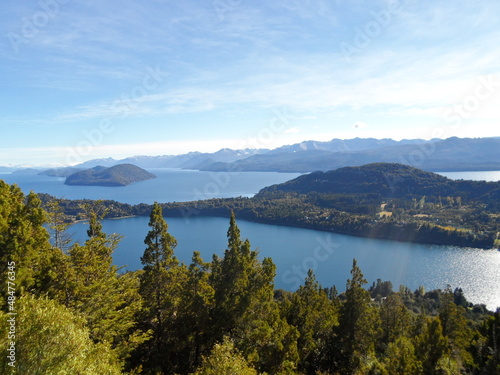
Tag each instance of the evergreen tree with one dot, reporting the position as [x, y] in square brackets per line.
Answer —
[396, 320]
[486, 346]
[161, 286]
[58, 225]
[24, 242]
[244, 306]
[314, 315]
[94, 212]
[400, 358]
[455, 328]
[231, 277]
[194, 318]
[432, 348]
[353, 346]
[263, 336]
[91, 285]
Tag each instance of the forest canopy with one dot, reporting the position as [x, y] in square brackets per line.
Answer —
[78, 313]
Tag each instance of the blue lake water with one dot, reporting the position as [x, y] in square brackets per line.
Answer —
[293, 250]
[475, 175]
[171, 185]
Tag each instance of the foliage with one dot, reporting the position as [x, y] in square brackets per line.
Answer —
[51, 339]
[77, 313]
[225, 360]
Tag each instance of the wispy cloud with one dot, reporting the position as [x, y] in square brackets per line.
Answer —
[89, 63]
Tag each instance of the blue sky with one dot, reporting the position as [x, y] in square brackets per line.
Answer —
[89, 79]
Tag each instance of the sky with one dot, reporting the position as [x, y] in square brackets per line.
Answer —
[90, 79]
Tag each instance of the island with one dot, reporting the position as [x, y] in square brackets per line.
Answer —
[118, 175]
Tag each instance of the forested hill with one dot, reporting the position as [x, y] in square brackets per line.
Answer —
[389, 180]
[118, 175]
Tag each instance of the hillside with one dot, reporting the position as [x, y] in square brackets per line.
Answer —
[388, 180]
[118, 175]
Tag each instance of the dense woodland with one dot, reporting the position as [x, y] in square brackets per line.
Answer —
[78, 314]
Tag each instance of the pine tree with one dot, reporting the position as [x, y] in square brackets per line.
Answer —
[58, 225]
[314, 315]
[400, 358]
[396, 320]
[354, 339]
[244, 306]
[231, 278]
[91, 285]
[94, 212]
[194, 318]
[431, 347]
[161, 286]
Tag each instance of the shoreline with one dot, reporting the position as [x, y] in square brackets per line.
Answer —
[108, 218]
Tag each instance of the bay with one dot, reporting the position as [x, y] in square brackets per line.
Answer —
[330, 255]
[171, 185]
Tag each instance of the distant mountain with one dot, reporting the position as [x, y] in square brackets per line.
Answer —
[452, 154]
[345, 145]
[26, 171]
[435, 155]
[60, 172]
[104, 162]
[118, 175]
[191, 160]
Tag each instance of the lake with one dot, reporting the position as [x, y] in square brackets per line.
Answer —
[171, 185]
[293, 250]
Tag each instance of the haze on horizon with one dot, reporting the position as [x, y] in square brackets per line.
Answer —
[164, 78]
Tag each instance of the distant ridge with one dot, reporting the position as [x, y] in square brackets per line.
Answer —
[452, 154]
[118, 175]
[60, 172]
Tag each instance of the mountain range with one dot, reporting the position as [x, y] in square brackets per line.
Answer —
[452, 154]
